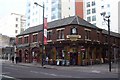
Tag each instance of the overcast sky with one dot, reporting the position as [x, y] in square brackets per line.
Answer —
[9, 6]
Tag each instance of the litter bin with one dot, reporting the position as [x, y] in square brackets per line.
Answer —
[63, 62]
[58, 62]
[67, 63]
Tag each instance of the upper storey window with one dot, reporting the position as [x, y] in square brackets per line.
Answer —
[93, 3]
[35, 37]
[74, 31]
[20, 40]
[60, 33]
[88, 4]
[26, 39]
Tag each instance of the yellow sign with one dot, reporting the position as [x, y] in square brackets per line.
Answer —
[73, 37]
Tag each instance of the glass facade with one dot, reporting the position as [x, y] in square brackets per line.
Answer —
[56, 10]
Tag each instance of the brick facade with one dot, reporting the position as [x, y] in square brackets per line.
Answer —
[89, 47]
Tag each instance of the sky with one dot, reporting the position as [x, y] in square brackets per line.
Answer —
[9, 6]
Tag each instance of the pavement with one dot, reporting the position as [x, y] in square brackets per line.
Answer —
[99, 68]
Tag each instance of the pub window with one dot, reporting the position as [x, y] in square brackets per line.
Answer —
[35, 38]
[49, 35]
[25, 39]
[58, 34]
[74, 31]
[19, 40]
[87, 34]
[62, 34]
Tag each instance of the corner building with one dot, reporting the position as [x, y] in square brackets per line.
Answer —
[71, 39]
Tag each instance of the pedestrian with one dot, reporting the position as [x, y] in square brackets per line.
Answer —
[12, 59]
[16, 60]
[46, 60]
[73, 61]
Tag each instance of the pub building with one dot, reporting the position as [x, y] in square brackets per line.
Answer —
[71, 39]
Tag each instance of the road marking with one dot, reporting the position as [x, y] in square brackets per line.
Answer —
[95, 71]
[34, 71]
[7, 76]
[65, 76]
[54, 74]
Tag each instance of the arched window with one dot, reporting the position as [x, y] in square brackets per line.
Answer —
[74, 31]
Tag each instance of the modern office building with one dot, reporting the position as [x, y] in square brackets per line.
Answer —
[12, 24]
[94, 8]
[33, 13]
[54, 10]
[89, 10]
[119, 17]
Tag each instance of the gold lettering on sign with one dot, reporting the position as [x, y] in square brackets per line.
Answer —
[73, 37]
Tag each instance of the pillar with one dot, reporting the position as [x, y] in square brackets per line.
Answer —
[94, 54]
[54, 55]
[88, 58]
[79, 56]
[68, 53]
[68, 56]
[101, 59]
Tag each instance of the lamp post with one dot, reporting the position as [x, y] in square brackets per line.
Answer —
[42, 30]
[107, 18]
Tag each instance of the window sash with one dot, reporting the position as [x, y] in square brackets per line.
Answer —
[88, 4]
[35, 37]
[49, 35]
[87, 35]
[60, 34]
[25, 39]
[20, 41]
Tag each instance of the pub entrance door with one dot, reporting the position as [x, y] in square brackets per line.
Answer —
[73, 58]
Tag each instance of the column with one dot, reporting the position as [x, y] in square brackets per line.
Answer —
[68, 53]
[79, 56]
[94, 54]
[101, 59]
[54, 55]
[88, 60]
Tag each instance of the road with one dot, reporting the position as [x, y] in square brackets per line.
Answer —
[16, 71]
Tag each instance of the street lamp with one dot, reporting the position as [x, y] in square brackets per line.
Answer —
[42, 30]
[107, 18]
